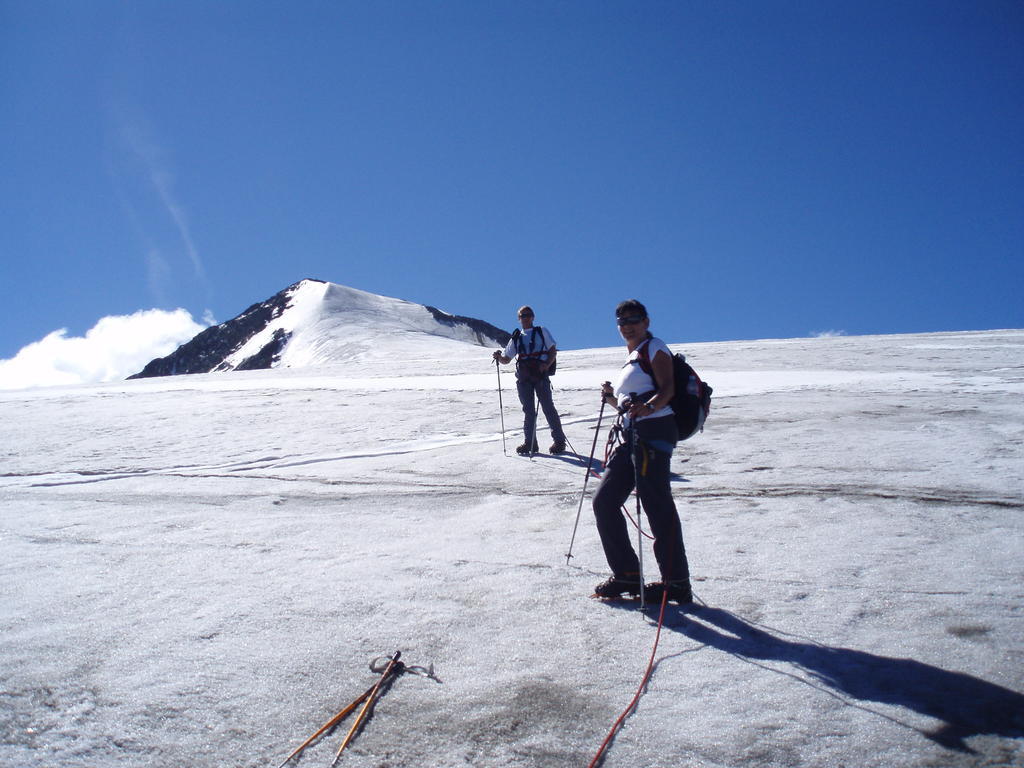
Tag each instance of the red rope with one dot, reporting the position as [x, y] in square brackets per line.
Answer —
[639, 691]
[657, 638]
[636, 525]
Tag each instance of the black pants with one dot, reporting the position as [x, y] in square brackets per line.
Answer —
[656, 438]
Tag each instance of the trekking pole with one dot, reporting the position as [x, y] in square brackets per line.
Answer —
[501, 407]
[331, 723]
[579, 509]
[634, 454]
[536, 418]
[343, 713]
[394, 665]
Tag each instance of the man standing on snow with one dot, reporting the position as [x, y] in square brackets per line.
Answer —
[534, 348]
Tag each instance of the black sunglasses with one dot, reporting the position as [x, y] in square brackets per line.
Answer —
[527, 314]
[630, 320]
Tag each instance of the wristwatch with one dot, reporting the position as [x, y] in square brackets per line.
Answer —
[649, 407]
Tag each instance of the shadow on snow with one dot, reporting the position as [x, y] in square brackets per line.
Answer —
[967, 706]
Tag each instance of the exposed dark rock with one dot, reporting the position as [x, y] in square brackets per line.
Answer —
[210, 348]
[486, 333]
[267, 356]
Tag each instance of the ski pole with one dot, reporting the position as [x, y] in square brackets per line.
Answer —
[536, 418]
[391, 669]
[501, 407]
[597, 431]
[634, 453]
[331, 723]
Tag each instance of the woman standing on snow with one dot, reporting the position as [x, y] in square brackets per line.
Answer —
[647, 415]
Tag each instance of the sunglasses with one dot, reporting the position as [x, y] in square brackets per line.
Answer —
[631, 320]
[526, 314]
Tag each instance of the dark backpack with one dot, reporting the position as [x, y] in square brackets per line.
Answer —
[517, 336]
[691, 402]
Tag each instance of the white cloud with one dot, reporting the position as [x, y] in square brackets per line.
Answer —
[113, 349]
[826, 334]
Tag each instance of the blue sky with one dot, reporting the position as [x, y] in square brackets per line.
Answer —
[763, 169]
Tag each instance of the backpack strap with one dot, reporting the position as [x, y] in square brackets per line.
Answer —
[540, 336]
[521, 346]
[643, 358]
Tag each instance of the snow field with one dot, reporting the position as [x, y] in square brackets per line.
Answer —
[198, 570]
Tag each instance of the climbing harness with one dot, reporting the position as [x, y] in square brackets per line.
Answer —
[614, 441]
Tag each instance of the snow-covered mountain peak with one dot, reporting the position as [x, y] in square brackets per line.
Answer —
[313, 322]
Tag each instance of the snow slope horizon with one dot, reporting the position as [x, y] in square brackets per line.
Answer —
[310, 323]
[197, 569]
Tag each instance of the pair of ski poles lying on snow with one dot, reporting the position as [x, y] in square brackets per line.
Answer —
[388, 672]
